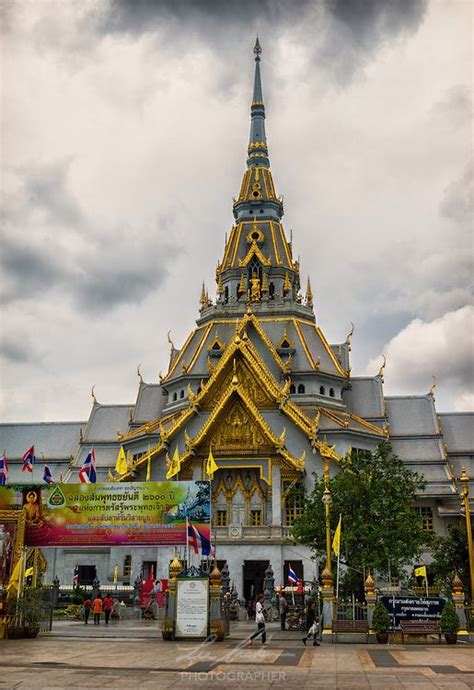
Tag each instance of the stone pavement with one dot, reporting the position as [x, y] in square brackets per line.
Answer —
[133, 655]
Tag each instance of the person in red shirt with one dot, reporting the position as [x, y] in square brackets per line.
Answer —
[108, 606]
[87, 609]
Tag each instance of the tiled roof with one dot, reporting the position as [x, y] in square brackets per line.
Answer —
[411, 415]
[51, 439]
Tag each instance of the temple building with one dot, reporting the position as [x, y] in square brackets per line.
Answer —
[256, 382]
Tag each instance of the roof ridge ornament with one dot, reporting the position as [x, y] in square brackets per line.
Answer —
[382, 368]
[257, 49]
[433, 387]
[93, 393]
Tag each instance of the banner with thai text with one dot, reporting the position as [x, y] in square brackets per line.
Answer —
[115, 514]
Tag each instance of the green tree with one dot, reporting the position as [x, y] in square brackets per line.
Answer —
[451, 556]
[374, 492]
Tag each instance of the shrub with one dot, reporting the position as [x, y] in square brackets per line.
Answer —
[449, 619]
[381, 618]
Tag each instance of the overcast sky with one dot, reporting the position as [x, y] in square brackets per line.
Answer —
[124, 138]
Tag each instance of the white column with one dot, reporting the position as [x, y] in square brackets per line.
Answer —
[276, 494]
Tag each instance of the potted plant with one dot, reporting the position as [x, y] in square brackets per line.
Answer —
[167, 629]
[449, 622]
[381, 623]
[32, 610]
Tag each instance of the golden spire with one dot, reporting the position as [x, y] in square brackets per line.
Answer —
[202, 299]
[242, 283]
[265, 283]
[309, 294]
[286, 284]
[220, 287]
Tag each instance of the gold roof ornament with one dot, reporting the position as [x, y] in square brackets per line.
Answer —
[349, 336]
[457, 586]
[93, 394]
[168, 335]
[139, 374]
[433, 387]
[242, 283]
[81, 436]
[286, 284]
[309, 294]
[191, 394]
[235, 378]
[202, 298]
[369, 584]
[220, 286]
[382, 368]
[265, 283]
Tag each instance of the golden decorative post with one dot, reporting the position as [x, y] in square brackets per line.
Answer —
[465, 500]
[326, 575]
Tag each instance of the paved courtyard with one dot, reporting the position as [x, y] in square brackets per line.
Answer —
[133, 655]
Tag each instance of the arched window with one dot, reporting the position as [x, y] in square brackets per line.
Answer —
[175, 396]
[181, 393]
[331, 392]
[301, 388]
[271, 290]
[292, 389]
[226, 294]
[322, 390]
[254, 269]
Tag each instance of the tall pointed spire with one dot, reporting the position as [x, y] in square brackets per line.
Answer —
[257, 150]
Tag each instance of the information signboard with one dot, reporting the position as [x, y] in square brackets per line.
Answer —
[192, 607]
[413, 608]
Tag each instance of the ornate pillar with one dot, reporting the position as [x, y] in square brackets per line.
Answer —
[459, 602]
[370, 598]
[326, 575]
[170, 604]
[215, 614]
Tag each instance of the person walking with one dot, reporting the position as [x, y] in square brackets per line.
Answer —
[283, 605]
[87, 609]
[108, 606]
[311, 625]
[97, 609]
[260, 620]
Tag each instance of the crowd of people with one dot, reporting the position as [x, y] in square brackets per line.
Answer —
[98, 606]
[310, 619]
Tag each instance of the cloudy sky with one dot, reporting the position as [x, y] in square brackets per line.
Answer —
[124, 140]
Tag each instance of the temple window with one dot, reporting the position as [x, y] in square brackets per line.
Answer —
[175, 396]
[226, 294]
[181, 393]
[301, 388]
[426, 515]
[221, 518]
[292, 389]
[294, 501]
[331, 392]
[127, 567]
[254, 269]
[322, 390]
[255, 517]
[271, 290]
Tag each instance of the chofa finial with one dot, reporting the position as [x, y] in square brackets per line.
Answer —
[139, 374]
[93, 393]
[257, 49]
[433, 386]
[382, 368]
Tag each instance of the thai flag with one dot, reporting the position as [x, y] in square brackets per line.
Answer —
[29, 460]
[87, 473]
[292, 576]
[47, 476]
[198, 541]
[3, 470]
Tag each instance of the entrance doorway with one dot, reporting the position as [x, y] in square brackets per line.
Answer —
[254, 575]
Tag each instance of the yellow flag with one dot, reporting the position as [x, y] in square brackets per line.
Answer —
[28, 572]
[13, 581]
[421, 571]
[211, 465]
[121, 464]
[115, 574]
[174, 465]
[148, 470]
[336, 542]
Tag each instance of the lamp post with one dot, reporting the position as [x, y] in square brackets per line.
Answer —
[326, 575]
[465, 501]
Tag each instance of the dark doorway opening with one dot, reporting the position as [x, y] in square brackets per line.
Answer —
[148, 569]
[86, 574]
[254, 575]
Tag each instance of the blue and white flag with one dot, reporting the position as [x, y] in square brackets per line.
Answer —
[292, 576]
[3, 470]
[47, 476]
[87, 473]
[198, 541]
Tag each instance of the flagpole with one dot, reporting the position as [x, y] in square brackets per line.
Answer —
[187, 541]
[426, 582]
[338, 558]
